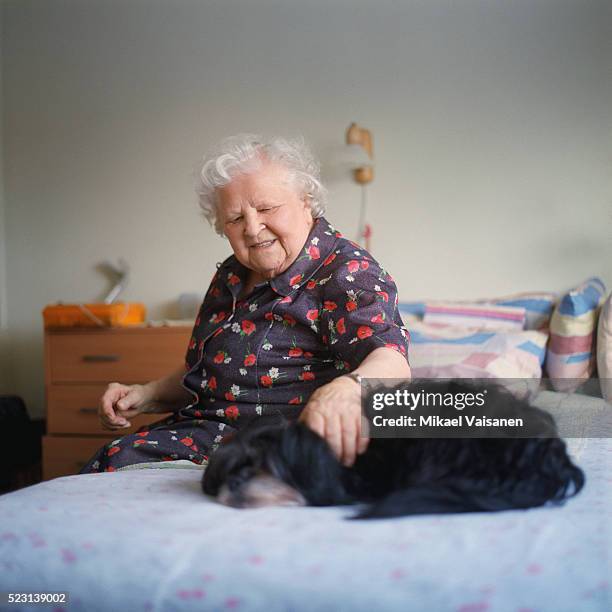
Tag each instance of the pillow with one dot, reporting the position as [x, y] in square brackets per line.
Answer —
[538, 306]
[570, 358]
[455, 352]
[481, 316]
[604, 350]
[411, 311]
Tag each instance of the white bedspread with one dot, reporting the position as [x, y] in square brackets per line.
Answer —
[149, 540]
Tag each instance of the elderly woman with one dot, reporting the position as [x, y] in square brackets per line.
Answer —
[289, 325]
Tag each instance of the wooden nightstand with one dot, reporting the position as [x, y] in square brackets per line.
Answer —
[79, 364]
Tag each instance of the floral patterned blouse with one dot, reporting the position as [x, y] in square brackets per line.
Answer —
[268, 352]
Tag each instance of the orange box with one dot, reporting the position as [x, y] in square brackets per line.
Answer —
[121, 314]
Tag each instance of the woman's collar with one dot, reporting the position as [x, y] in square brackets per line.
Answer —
[319, 245]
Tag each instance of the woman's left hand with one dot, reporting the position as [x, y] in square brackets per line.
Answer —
[334, 412]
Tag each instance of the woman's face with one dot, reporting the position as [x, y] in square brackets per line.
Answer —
[266, 221]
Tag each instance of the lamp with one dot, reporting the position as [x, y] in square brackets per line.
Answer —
[360, 139]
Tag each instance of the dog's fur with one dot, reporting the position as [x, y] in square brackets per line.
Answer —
[272, 462]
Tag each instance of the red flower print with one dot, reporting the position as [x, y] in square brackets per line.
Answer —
[266, 381]
[197, 321]
[286, 300]
[295, 280]
[212, 383]
[194, 448]
[328, 305]
[166, 458]
[351, 305]
[312, 315]
[313, 252]
[296, 400]
[232, 412]
[289, 320]
[340, 326]
[111, 451]
[197, 413]
[142, 434]
[364, 332]
[110, 468]
[187, 441]
[364, 265]
[139, 442]
[308, 354]
[353, 266]
[268, 316]
[216, 292]
[233, 279]
[249, 360]
[377, 318]
[192, 343]
[219, 357]
[384, 295]
[248, 327]
[217, 318]
[295, 352]
[229, 396]
[311, 284]
[307, 376]
[329, 259]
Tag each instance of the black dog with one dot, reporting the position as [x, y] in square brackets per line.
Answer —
[273, 462]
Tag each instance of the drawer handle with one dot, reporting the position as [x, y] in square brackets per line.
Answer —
[99, 358]
[87, 410]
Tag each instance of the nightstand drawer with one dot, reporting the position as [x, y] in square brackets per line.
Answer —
[74, 409]
[63, 456]
[79, 364]
[126, 356]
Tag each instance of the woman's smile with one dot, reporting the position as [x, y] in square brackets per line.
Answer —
[265, 219]
[263, 245]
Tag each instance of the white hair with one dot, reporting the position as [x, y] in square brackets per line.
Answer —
[245, 153]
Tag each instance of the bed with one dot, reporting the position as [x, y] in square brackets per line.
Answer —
[148, 539]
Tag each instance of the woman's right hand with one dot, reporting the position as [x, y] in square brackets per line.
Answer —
[122, 402]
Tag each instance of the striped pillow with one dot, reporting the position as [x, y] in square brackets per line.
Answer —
[455, 352]
[411, 311]
[604, 350]
[538, 306]
[480, 316]
[570, 358]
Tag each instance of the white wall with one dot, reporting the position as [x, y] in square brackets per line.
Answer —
[5, 386]
[491, 123]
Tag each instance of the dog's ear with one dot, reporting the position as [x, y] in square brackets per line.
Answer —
[259, 491]
[308, 464]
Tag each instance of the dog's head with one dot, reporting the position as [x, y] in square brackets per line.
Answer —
[269, 462]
